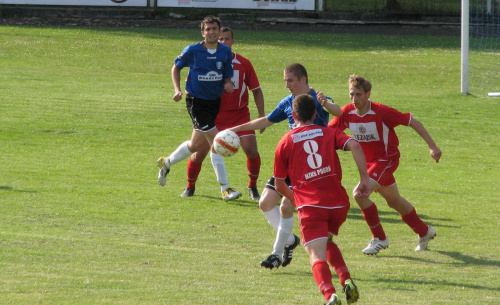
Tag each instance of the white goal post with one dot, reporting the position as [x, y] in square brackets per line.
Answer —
[465, 48]
[480, 47]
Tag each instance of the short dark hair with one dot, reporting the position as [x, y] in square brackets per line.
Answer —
[225, 29]
[298, 70]
[304, 107]
[209, 19]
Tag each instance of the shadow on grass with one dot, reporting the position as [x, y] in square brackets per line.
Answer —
[291, 38]
[469, 260]
[291, 272]
[10, 188]
[463, 260]
[394, 217]
[248, 203]
[432, 283]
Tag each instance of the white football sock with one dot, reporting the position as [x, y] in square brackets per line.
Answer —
[283, 235]
[182, 152]
[220, 171]
[273, 217]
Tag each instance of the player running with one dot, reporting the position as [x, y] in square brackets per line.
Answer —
[234, 111]
[210, 72]
[372, 124]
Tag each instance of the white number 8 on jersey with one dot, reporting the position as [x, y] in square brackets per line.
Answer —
[314, 160]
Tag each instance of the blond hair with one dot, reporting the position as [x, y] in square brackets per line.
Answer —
[359, 82]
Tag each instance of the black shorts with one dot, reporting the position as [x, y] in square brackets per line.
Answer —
[270, 183]
[202, 112]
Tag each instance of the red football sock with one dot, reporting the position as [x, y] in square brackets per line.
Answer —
[253, 166]
[323, 277]
[193, 171]
[415, 223]
[336, 259]
[371, 216]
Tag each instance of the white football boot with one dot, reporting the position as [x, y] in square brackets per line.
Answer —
[375, 245]
[424, 241]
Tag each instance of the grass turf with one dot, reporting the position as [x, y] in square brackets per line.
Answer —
[85, 113]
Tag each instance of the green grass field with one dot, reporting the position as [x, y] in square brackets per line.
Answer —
[85, 113]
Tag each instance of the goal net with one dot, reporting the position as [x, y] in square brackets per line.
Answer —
[481, 65]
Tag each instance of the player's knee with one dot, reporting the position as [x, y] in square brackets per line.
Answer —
[250, 148]
[252, 154]
[394, 204]
[199, 157]
[265, 204]
[286, 210]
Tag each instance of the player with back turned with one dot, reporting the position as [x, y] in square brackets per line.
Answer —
[307, 156]
[281, 219]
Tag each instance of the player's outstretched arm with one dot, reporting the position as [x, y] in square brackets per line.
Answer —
[434, 151]
[176, 80]
[331, 107]
[260, 123]
[363, 188]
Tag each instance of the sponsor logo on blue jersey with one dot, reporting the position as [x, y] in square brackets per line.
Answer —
[211, 76]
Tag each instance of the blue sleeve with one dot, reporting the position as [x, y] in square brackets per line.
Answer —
[322, 116]
[276, 116]
[279, 113]
[182, 60]
[228, 67]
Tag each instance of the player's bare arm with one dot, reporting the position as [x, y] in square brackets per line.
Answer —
[363, 188]
[284, 190]
[260, 123]
[228, 85]
[176, 80]
[258, 97]
[331, 107]
[434, 151]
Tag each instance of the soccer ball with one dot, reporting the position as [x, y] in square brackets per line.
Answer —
[226, 143]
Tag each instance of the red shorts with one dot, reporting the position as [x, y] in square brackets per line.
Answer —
[383, 171]
[316, 223]
[228, 119]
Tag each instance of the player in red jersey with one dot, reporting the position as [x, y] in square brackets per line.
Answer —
[372, 124]
[234, 111]
[307, 155]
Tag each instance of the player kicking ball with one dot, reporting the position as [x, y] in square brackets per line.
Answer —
[372, 124]
[307, 156]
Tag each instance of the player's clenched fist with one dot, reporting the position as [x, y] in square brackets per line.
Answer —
[229, 87]
[177, 96]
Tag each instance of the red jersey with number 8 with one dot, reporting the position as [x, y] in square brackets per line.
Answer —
[307, 155]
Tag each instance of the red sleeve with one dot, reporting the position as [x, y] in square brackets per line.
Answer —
[335, 122]
[251, 78]
[339, 122]
[281, 159]
[341, 139]
[393, 117]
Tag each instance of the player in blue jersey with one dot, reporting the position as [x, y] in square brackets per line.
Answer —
[210, 71]
[295, 76]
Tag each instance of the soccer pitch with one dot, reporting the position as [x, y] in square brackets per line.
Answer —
[85, 113]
